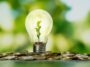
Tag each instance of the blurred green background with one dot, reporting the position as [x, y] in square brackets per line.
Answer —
[71, 25]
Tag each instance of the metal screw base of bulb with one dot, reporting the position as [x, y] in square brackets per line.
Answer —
[39, 47]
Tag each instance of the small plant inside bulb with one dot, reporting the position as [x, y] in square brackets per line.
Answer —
[38, 27]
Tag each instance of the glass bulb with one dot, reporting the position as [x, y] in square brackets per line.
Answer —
[38, 25]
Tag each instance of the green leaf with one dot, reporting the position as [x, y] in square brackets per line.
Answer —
[38, 27]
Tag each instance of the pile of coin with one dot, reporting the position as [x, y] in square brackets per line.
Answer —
[43, 56]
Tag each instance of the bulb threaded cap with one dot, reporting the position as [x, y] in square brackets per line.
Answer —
[39, 47]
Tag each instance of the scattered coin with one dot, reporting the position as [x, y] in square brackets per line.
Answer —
[44, 56]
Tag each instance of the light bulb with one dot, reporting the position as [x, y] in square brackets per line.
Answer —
[38, 25]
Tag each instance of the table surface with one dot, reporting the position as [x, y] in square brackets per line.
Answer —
[44, 63]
